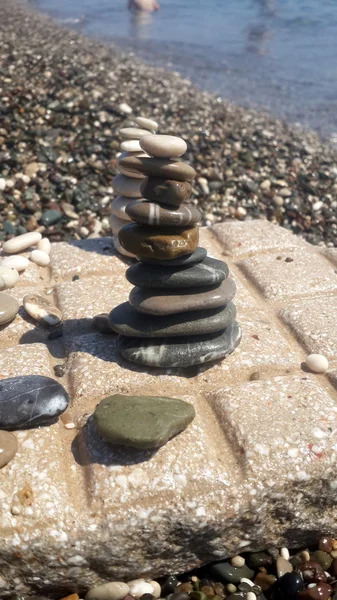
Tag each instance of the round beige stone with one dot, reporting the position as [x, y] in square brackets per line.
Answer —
[163, 146]
[132, 133]
[9, 308]
[145, 123]
[131, 146]
[44, 245]
[317, 363]
[22, 242]
[115, 590]
[40, 258]
[125, 171]
[127, 186]
[19, 263]
[8, 447]
[8, 277]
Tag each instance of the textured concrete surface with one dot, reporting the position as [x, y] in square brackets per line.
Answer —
[256, 468]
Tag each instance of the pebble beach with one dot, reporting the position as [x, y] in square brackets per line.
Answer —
[64, 98]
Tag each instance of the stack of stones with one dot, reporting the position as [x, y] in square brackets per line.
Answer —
[127, 183]
[180, 312]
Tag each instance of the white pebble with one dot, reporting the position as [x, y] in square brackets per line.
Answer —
[147, 123]
[2, 184]
[156, 589]
[40, 258]
[125, 186]
[251, 596]
[240, 212]
[10, 183]
[238, 561]
[115, 590]
[22, 242]
[138, 587]
[125, 109]
[317, 363]
[202, 181]
[44, 245]
[163, 146]
[131, 146]
[15, 262]
[246, 580]
[8, 277]
[285, 553]
[132, 133]
[317, 205]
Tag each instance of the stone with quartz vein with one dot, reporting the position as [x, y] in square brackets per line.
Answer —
[180, 352]
[154, 214]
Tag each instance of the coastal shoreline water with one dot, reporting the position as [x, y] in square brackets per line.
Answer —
[61, 113]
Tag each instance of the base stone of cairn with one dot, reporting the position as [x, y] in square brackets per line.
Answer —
[180, 312]
[127, 183]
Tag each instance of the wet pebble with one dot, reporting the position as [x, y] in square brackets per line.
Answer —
[283, 566]
[322, 558]
[321, 591]
[227, 572]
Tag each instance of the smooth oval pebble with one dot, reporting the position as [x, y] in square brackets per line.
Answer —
[145, 123]
[44, 245]
[131, 146]
[22, 242]
[40, 309]
[168, 302]
[209, 272]
[116, 224]
[158, 242]
[132, 133]
[159, 167]
[139, 587]
[163, 146]
[8, 277]
[19, 263]
[30, 401]
[126, 171]
[120, 248]
[8, 447]
[40, 258]
[115, 590]
[150, 213]
[317, 363]
[180, 352]
[283, 566]
[9, 308]
[182, 261]
[119, 205]
[127, 186]
[165, 191]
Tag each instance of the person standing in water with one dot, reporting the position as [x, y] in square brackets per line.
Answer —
[143, 5]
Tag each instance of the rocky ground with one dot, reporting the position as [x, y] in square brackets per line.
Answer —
[62, 100]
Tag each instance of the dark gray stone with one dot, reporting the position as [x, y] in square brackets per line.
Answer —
[180, 352]
[30, 401]
[126, 320]
[141, 421]
[209, 272]
[188, 259]
[229, 574]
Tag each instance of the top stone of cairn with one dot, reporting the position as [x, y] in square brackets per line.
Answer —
[163, 146]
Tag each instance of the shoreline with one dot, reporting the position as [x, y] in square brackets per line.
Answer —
[59, 138]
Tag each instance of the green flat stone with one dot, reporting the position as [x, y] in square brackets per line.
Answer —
[141, 421]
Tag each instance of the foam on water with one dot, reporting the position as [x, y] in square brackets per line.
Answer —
[273, 54]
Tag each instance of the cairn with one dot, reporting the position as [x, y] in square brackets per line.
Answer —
[180, 312]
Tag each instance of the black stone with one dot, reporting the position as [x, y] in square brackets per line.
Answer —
[226, 572]
[169, 586]
[287, 587]
[30, 401]
[179, 596]
[189, 259]
[180, 352]
[126, 320]
[259, 559]
[208, 272]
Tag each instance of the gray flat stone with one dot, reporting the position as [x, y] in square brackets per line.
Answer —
[188, 259]
[179, 352]
[126, 320]
[209, 272]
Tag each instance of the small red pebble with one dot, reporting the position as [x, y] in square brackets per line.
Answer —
[71, 597]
